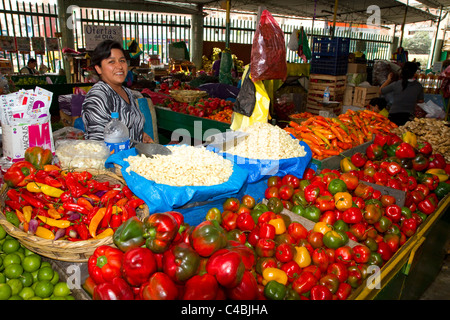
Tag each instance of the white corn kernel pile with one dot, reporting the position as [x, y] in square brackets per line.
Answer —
[268, 142]
[186, 166]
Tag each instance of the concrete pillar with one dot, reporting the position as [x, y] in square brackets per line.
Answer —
[197, 38]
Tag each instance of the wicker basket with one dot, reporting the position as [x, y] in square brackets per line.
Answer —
[187, 95]
[63, 250]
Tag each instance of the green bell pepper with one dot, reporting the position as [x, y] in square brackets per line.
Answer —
[129, 234]
[442, 189]
[274, 290]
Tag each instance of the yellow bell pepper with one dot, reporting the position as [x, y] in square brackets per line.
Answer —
[44, 233]
[302, 257]
[410, 138]
[440, 173]
[44, 188]
[54, 222]
[347, 165]
[278, 223]
[274, 274]
[322, 227]
[343, 201]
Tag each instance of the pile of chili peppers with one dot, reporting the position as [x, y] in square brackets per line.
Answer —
[60, 204]
[330, 136]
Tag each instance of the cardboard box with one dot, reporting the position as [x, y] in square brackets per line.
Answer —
[356, 68]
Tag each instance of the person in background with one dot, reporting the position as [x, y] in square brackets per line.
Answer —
[109, 95]
[30, 68]
[378, 105]
[216, 66]
[407, 93]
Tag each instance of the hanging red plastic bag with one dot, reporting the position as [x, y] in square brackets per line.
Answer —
[268, 58]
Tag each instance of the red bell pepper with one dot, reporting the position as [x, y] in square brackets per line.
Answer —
[352, 215]
[160, 230]
[425, 148]
[374, 152]
[19, 174]
[312, 192]
[105, 264]
[358, 159]
[159, 287]
[320, 292]
[437, 161]
[405, 151]
[409, 227]
[304, 282]
[247, 289]
[382, 139]
[248, 255]
[361, 254]
[138, 264]
[181, 262]
[38, 156]
[208, 237]
[227, 266]
[428, 205]
[116, 289]
[339, 269]
[343, 291]
[201, 287]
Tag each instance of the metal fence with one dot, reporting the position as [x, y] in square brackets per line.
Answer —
[154, 32]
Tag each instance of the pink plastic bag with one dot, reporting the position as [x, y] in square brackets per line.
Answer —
[268, 58]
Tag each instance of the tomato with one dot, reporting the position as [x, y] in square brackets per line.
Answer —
[315, 238]
[231, 204]
[286, 192]
[291, 180]
[248, 201]
[274, 181]
[271, 192]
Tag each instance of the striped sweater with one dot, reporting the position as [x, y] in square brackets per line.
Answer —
[100, 101]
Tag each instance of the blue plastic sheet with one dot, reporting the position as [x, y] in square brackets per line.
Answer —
[261, 169]
[162, 198]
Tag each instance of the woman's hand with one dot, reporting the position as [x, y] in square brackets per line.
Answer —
[147, 139]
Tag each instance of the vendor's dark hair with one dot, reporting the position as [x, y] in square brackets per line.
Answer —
[379, 101]
[31, 60]
[408, 71]
[103, 51]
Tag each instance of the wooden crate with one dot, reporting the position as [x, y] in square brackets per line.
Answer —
[362, 96]
[319, 82]
[348, 96]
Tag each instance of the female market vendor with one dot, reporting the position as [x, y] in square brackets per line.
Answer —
[407, 92]
[109, 95]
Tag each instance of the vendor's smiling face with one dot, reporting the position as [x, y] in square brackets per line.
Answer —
[113, 70]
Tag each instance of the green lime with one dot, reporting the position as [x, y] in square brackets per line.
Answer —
[27, 252]
[55, 278]
[13, 271]
[57, 298]
[5, 291]
[2, 278]
[31, 262]
[26, 293]
[11, 245]
[15, 297]
[35, 276]
[36, 298]
[45, 273]
[45, 264]
[2, 233]
[44, 289]
[70, 297]
[11, 258]
[61, 289]
[16, 286]
[20, 253]
[26, 278]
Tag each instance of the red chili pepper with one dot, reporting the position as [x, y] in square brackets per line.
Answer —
[75, 207]
[106, 219]
[108, 196]
[127, 192]
[33, 201]
[135, 203]
[116, 221]
[13, 204]
[76, 188]
[13, 194]
[83, 231]
[125, 214]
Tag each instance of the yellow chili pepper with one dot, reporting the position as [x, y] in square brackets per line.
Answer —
[302, 257]
[106, 233]
[440, 173]
[278, 223]
[95, 221]
[27, 210]
[343, 201]
[116, 209]
[45, 189]
[54, 222]
[44, 233]
[274, 274]
[322, 227]
[52, 212]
